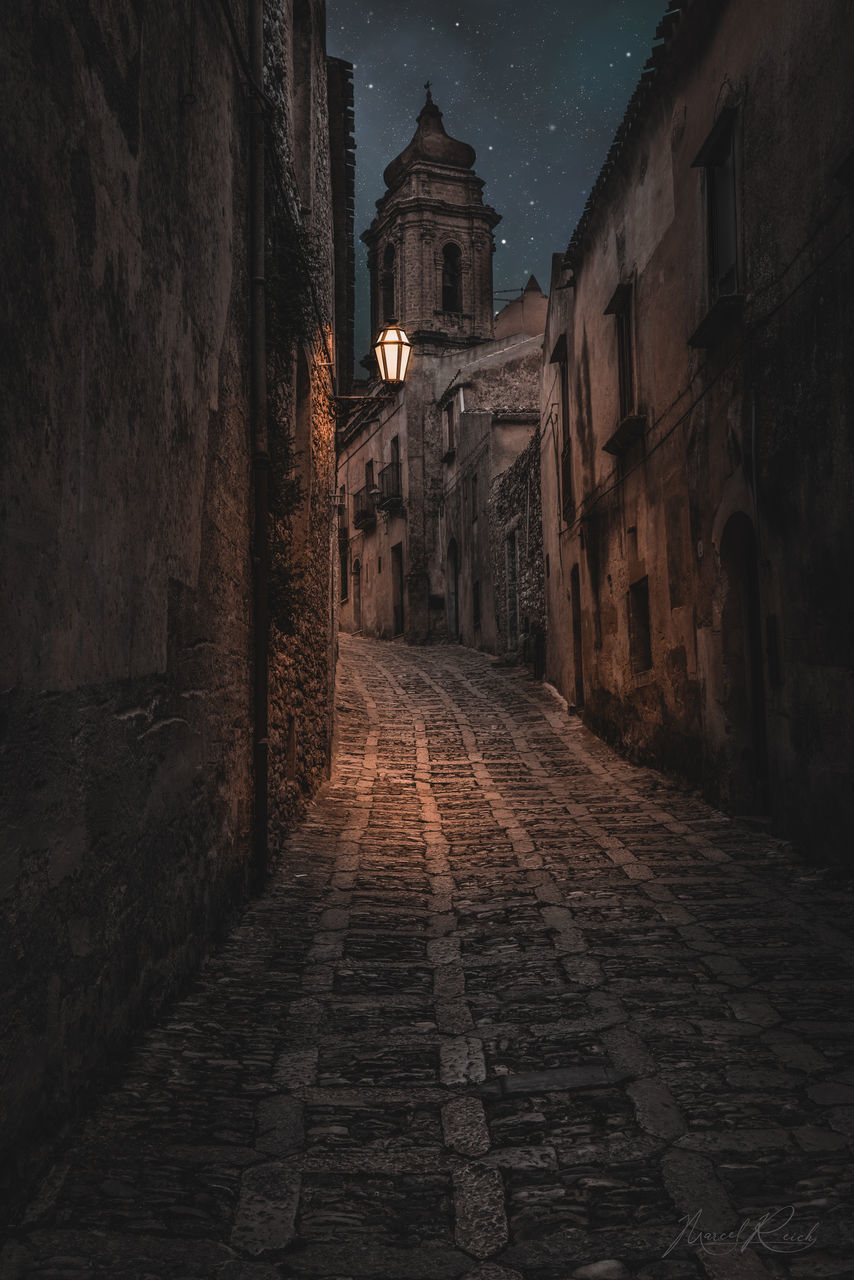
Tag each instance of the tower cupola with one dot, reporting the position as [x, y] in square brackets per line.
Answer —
[430, 245]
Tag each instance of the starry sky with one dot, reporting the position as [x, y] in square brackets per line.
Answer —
[538, 88]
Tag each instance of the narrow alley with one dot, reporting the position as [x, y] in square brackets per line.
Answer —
[509, 1008]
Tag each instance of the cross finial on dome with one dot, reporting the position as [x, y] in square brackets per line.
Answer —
[429, 93]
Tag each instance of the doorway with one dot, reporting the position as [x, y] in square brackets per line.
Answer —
[453, 591]
[397, 587]
[746, 786]
[577, 655]
[512, 591]
[357, 595]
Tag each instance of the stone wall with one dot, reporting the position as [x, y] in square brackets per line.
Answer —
[126, 570]
[515, 508]
[304, 298]
[492, 391]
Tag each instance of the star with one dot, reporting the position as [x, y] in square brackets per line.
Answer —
[539, 84]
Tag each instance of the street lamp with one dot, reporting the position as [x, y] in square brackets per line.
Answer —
[392, 350]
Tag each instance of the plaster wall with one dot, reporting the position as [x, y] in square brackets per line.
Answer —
[754, 426]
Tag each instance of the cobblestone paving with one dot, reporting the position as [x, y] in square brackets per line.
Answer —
[511, 1009]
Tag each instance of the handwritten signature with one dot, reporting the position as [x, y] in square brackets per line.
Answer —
[775, 1231]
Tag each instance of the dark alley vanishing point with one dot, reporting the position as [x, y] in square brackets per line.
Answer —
[510, 1007]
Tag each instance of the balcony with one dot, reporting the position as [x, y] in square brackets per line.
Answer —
[391, 495]
[628, 432]
[364, 508]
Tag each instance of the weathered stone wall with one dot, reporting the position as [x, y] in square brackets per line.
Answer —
[126, 569]
[515, 505]
[497, 385]
[730, 512]
[302, 304]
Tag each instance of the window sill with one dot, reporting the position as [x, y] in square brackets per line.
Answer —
[628, 432]
[718, 320]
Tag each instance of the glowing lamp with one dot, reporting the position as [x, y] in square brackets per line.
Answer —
[392, 350]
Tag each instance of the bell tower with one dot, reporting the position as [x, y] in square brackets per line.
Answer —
[430, 245]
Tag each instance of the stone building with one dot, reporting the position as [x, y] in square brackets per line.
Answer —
[145, 665]
[488, 412]
[416, 466]
[697, 418]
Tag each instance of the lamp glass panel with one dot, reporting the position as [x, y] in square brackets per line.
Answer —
[392, 351]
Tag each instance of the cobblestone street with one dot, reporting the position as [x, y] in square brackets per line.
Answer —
[509, 1008]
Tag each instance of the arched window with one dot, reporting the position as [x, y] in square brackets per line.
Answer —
[388, 283]
[452, 278]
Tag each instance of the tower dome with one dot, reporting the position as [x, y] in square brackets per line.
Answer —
[430, 142]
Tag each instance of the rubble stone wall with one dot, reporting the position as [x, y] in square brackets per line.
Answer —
[126, 564]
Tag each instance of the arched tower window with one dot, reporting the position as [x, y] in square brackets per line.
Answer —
[388, 283]
[452, 278]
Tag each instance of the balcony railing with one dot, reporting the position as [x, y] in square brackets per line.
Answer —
[390, 489]
[364, 508]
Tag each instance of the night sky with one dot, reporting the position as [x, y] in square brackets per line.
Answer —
[537, 88]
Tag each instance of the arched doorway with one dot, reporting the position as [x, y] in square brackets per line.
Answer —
[745, 789]
[453, 591]
[357, 595]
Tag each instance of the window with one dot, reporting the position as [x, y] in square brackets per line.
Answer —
[450, 427]
[343, 554]
[475, 604]
[343, 542]
[630, 419]
[718, 161]
[566, 495]
[474, 498]
[452, 278]
[640, 640]
[369, 474]
[388, 283]
[511, 581]
[725, 302]
[567, 500]
[621, 307]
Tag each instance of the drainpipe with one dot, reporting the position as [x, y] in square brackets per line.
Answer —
[260, 453]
